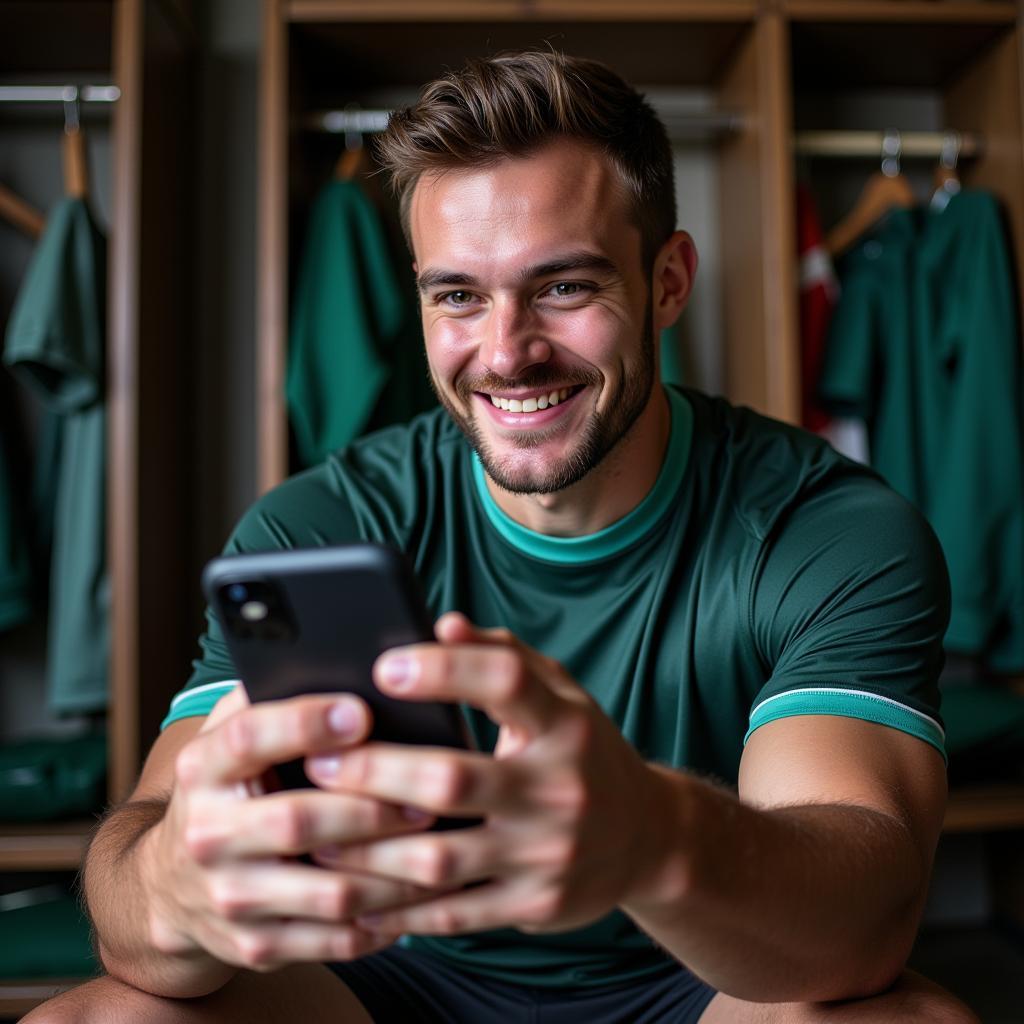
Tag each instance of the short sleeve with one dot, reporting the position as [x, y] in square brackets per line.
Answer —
[849, 606]
[305, 511]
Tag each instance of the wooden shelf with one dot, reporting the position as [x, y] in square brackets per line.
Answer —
[18, 997]
[518, 10]
[889, 12]
[44, 846]
[991, 808]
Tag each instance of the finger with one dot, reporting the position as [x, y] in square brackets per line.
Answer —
[456, 628]
[265, 890]
[438, 860]
[436, 779]
[267, 947]
[496, 905]
[233, 701]
[293, 822]
[497, 678]
[269, 733]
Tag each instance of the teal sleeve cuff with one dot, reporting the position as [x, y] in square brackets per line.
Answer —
[197, 701]
[869, 707]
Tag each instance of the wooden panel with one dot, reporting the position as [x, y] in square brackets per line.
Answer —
[501, 10]
[47, 846]
[758, 249]
[148, 332]
[985, 809]
[351, 60]
[18, 997]
[905, 54]
[272, 242]
[122, 399]
[29, 43]
[922, 12]
[986, 99]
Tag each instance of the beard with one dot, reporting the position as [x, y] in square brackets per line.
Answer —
[602, 432]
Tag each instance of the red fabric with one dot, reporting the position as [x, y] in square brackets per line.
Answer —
[818, 295]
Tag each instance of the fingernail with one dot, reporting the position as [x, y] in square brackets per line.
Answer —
[343, 718]
[415, 815]
[326, 766]
[398, 672]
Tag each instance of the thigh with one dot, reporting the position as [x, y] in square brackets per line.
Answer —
[303, 992]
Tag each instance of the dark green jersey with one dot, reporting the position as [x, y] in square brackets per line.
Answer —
[56, 343]
[924, 346]
[763, 576]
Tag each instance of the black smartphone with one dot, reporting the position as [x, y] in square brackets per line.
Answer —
[314, 621]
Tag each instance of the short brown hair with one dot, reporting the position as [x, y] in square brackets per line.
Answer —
[513, 103]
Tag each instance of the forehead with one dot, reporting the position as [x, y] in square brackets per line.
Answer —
[567, 195]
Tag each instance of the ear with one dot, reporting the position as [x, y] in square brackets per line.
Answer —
[674, 270]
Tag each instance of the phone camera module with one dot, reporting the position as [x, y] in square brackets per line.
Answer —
[254, 611]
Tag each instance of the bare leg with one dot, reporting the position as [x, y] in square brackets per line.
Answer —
[304, 992]
[912, 998]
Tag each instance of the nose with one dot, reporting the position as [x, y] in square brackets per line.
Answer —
[511, 343]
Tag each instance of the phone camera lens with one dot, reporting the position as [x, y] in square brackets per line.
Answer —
[237, 592]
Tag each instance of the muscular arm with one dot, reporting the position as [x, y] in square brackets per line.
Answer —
[118, 894]
[810, 886]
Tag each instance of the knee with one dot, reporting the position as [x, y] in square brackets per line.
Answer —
[101, 1001]
[920, 999]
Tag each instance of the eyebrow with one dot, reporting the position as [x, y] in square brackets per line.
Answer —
[579, 260]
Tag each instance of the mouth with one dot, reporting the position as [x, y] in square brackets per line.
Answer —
[531, 409]
[531, 401]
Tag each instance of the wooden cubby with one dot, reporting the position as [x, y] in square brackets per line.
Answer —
[758, 57]
[145, 47]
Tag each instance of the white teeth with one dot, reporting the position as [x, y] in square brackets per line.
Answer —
[530, 404]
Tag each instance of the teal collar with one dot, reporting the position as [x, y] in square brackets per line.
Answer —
[624, 532]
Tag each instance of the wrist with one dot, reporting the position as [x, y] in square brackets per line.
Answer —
[665, 860]
[166, 935]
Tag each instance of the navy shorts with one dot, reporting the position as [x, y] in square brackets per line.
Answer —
[402, 985]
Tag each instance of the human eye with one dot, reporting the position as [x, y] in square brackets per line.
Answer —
[456, 300]
[568, 290]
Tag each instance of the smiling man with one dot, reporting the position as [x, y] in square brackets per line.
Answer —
[697, 648]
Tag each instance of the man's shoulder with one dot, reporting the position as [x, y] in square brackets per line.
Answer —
[367, 490]
[759, 469]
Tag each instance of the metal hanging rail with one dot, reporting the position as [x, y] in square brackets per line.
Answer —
[59, 93]
[681, 124]
[929, 145]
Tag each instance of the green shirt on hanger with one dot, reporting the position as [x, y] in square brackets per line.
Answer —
[924, 345]
[55, 342]
[355, 351]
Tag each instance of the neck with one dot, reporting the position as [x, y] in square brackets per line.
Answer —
[610, 491]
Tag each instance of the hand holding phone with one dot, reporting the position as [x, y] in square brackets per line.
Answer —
[315, 620]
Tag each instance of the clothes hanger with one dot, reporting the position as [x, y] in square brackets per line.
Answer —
[885, 190]
[352, 161]
[947, 180]
[22, 215]
[76, 178]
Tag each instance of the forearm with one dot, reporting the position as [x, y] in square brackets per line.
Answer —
[119, 897]
[801, 903]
